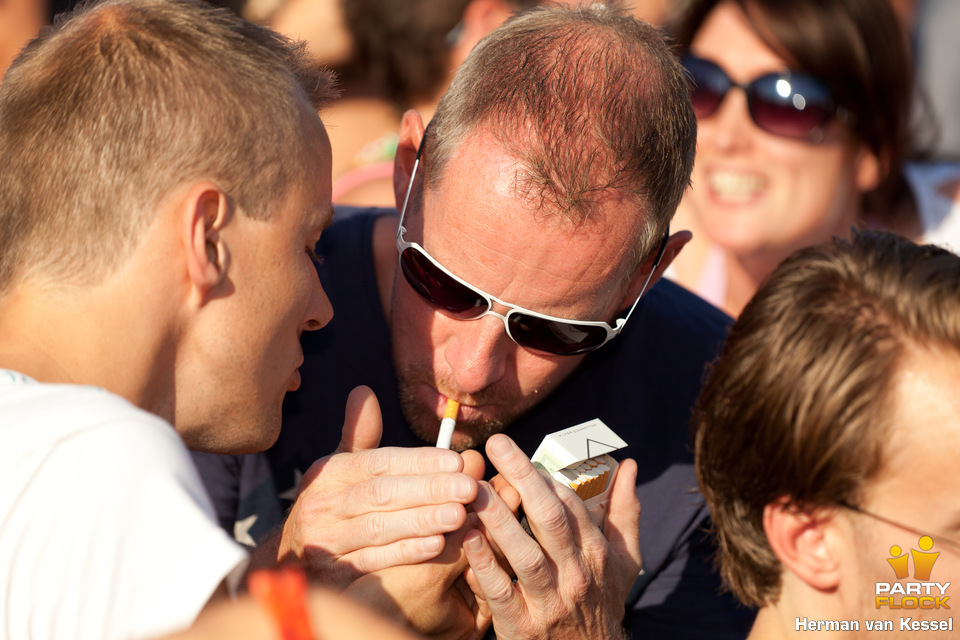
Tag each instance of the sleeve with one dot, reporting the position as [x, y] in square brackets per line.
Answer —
[115, 537]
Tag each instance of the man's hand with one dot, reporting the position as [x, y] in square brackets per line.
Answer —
[363, 509]
[431, 597]
[572, 580]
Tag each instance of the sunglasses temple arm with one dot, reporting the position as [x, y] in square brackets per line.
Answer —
[656, 263]
[406, 198]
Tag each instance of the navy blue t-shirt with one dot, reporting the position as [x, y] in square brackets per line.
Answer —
[642, 385]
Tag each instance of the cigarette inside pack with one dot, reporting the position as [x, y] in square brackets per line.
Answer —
[579, 457]
[590, 477]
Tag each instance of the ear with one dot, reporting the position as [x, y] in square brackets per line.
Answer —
[204, 212]
[411, 134]
[480, 18]
[804, 543]
[867, 170]
[675, 243]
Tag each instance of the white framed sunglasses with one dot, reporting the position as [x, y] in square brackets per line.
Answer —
[458, 299]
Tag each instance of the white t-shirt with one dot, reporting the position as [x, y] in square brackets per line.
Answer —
[106, 530]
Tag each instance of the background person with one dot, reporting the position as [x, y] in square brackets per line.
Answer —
[773, 173]
[828, 430]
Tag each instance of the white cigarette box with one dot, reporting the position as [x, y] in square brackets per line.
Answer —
[577, 456]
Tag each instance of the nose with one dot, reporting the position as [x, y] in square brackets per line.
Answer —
[478, 352]
[319, 311]
[730, 127]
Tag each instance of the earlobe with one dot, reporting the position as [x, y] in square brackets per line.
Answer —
[411, 134]
[205, 211]
[803, 542]
[868, 170]
[480, 18]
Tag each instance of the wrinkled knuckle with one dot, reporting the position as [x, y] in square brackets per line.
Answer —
[530, 562]
[374, 526]
[312, 508]
[378, 461]
[502, 592]
[428, 519]
[554, 518]
[381, 492]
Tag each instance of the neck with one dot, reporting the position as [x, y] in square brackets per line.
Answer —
[91, 335]
[744, 275]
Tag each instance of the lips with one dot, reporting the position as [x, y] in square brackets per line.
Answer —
[735, 186]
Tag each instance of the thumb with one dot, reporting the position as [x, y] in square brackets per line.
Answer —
[622, 526]
[362, 422]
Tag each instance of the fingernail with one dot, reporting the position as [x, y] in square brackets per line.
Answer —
[449, 515]
[450, 462]
[499, 445]
[473, 542]
[463, 488]
[431, 544]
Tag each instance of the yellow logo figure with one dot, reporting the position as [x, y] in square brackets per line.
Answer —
[923, 560]
[899, 562]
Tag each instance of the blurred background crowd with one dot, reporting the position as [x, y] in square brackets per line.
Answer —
[394, 55]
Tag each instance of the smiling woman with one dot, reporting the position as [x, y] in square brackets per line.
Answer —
[802, 113]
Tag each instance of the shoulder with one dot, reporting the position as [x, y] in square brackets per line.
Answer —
[83, 468]
[89, 437]
[673, 310]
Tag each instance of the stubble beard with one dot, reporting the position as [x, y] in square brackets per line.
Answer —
[470, 433]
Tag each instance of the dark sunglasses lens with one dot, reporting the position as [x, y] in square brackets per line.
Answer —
[792, 106]
[708, 85]
[551, 336]
[438, 288]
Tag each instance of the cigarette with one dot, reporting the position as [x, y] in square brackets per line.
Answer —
[448, 423]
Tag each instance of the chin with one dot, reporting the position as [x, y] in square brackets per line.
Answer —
[234, 436]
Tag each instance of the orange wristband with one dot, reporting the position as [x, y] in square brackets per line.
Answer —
[284, 594]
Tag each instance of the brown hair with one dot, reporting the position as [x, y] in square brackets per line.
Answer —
[405, 43]
[858, 49]
[589, 99]
[118, 103]
[796, 406]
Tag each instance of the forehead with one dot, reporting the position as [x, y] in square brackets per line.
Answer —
[728, 38]
[480, 222]
[311, 197]
[921, 453]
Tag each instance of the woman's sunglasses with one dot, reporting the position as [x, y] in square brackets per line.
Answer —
[456, 298]
[789, 104]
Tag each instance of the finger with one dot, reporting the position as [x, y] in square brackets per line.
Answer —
[495, 591]
[402, 552]
[381, 528]
[394, 493]
[523, 554]
[352, 468]
[545, 510]
[510, 497]
[473, 463]
[362, 421]
[622, 522]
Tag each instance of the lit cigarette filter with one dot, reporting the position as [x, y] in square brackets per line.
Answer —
[448, 423]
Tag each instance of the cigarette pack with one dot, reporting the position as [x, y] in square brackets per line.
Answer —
[578, 457]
